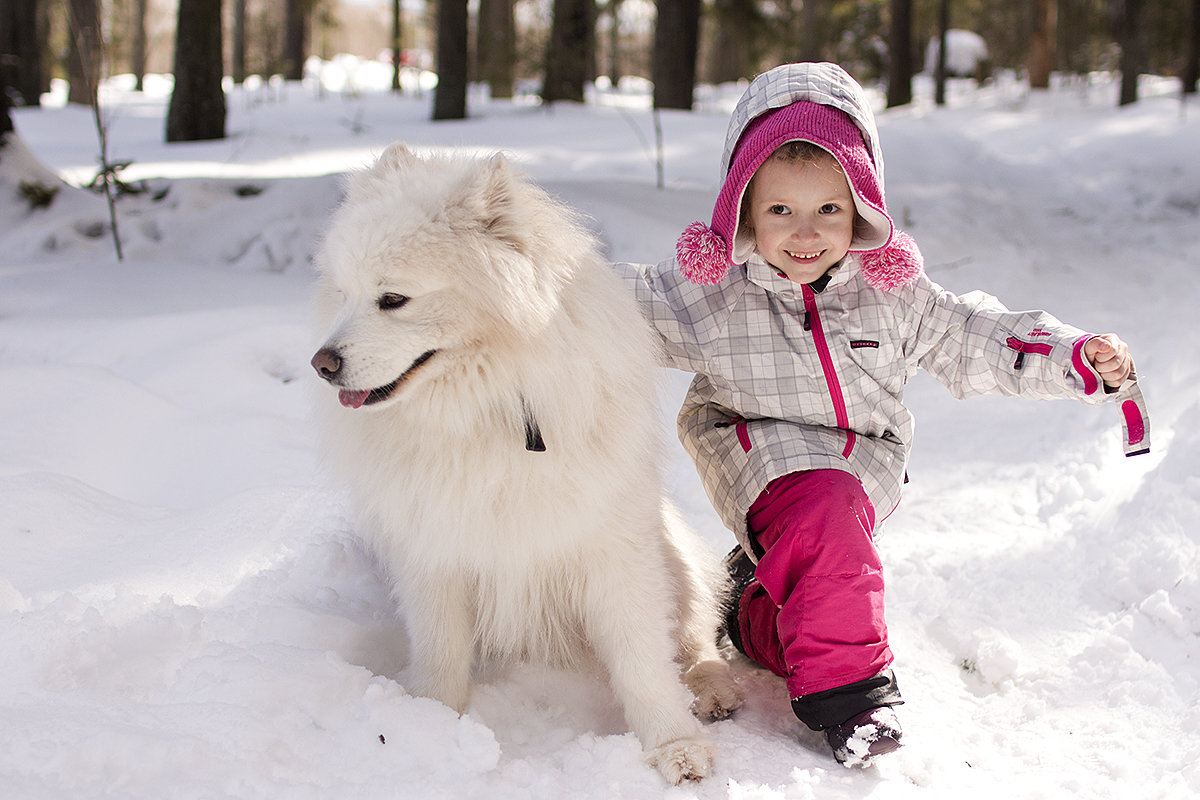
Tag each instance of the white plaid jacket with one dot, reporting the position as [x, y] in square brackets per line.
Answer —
[791, 379]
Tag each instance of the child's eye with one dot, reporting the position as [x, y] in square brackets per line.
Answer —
[778, 210]
[830, 208]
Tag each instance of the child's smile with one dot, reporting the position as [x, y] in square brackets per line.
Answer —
[802, 216]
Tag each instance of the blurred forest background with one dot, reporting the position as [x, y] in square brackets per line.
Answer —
[553, 49]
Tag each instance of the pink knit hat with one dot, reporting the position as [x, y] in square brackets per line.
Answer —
[889, 259]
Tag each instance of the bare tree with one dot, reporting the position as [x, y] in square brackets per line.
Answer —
[809, 37]
[6, 123]
[22, 38]
[1041, 43]
[939, 71]
[1128, 21]
[900, 58]
[197, 108]
[237, 52]
[138, 56]
[296, 24]
[83, 57]
[1191, 62]
[397, 46]
[496, 46]
[613, 68]
[569, 50]
[676, 43]
[450, 97]
[739, 28]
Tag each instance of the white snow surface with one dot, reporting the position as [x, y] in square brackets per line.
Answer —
[185, 610]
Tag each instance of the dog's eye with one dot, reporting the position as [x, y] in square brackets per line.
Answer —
[390, 301]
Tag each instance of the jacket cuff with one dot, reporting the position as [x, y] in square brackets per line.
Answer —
[1135, 420]
[1091, 379]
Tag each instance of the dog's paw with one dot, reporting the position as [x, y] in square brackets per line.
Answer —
[683, 760]
[717, 692]
[452, 691]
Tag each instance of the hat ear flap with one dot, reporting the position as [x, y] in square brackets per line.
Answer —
[894, 266]
[703, 256]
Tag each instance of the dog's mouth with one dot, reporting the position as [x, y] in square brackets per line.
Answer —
[356, 398]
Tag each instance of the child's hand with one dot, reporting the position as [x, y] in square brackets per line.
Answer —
[1110, 357]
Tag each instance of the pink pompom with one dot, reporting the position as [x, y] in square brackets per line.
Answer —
[893, 266]
[703, 256]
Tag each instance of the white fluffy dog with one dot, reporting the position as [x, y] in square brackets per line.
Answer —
[497, 425]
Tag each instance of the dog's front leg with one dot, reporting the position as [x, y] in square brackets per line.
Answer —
[441, 629]
[632, 636]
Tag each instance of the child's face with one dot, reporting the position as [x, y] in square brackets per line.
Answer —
[802, 215]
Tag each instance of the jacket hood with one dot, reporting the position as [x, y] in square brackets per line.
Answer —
[824, 83]
[822, 104]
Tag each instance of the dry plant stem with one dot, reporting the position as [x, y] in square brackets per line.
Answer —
[658, 142]
[102, 134]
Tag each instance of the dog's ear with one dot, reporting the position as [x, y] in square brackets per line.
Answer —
[498, 209]
[397, 158]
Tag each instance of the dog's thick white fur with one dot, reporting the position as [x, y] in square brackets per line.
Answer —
[470, 320]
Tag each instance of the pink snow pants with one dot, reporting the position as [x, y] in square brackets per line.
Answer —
[814, 612]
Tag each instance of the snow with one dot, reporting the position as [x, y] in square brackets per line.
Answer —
[965, 51]
[185, 610]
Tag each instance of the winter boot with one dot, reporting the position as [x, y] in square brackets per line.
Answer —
[741, 574]
[861, 739]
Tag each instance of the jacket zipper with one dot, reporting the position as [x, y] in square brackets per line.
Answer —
[812, 322]
[739, 427]
[1041, 348]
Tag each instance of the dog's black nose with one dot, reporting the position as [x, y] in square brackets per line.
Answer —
[327, 363]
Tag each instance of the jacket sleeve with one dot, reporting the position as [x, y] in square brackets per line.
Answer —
[679, 311]
[974, 345]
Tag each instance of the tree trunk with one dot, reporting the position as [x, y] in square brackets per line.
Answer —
[397, 45]
[138, 56]
[614, 42]
[496, 46]
[450, 97]
[6, 123]
[739, 28]
[83, 57]
[1041, 43]
[7, 74]
[22, 38]
[1129, 36]
[197, 108]
[569, 51]
[295, 37]
[900, 60]
[939, 74]
[237, 59]
[810, 36]
[1191, 64]
[676, 42]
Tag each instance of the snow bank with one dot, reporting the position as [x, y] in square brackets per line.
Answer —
[185, 610]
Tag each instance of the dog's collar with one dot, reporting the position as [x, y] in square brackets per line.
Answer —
[533, 434]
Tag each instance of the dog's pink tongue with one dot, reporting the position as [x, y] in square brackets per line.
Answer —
[352, 399]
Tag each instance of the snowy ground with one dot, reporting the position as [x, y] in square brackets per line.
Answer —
[184, 611]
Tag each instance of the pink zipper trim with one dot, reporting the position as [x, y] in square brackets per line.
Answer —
[1041, 348]
[831, 379]
[1134, 422]
[1090, 382]
[743, 435]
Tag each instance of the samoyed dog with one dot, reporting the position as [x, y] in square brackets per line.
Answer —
[496, 420]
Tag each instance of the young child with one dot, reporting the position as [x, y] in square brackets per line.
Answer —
[802, 312]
